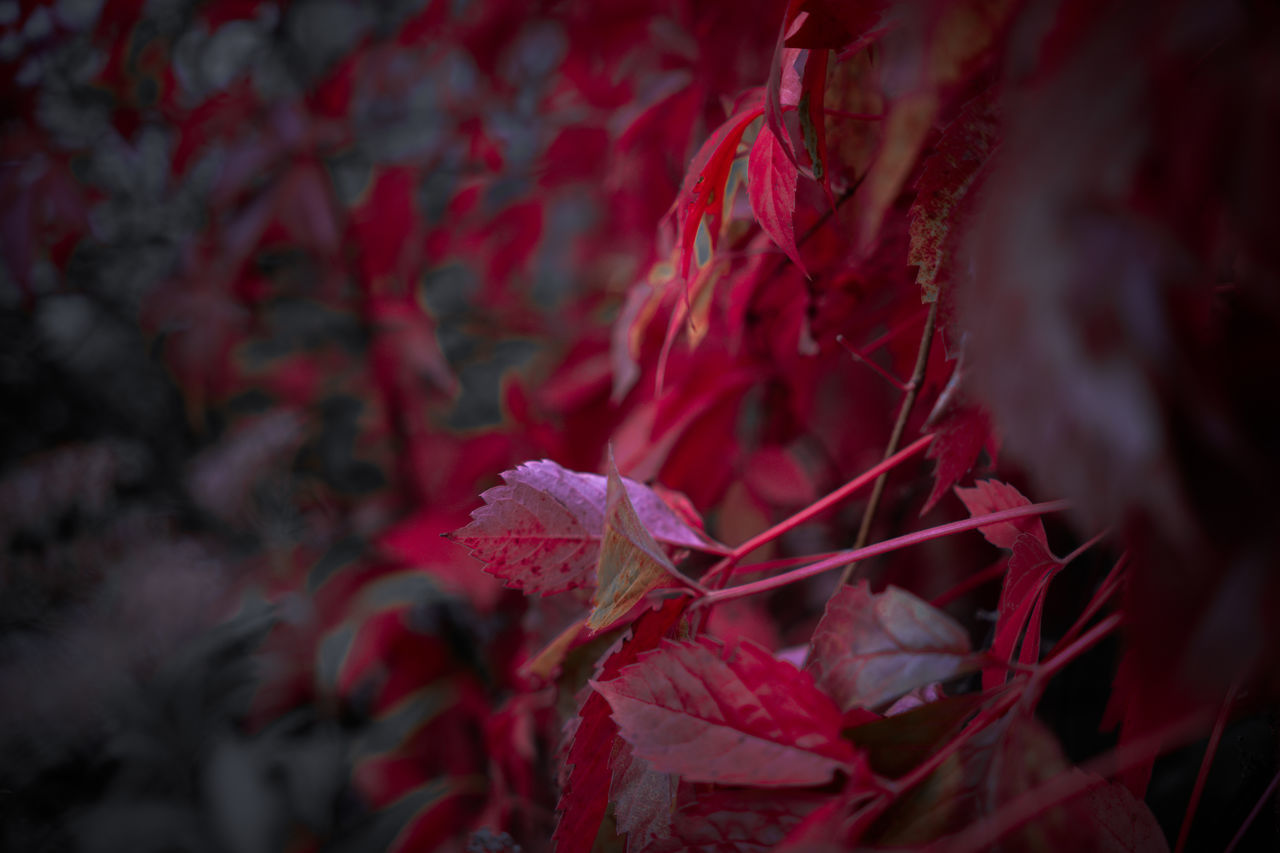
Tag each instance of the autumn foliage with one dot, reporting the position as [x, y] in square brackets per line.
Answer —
[651, 426]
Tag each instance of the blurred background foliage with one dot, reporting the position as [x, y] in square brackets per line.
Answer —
[284, 286]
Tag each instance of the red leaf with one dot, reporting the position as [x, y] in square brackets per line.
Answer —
[988, 496]
[585, 795]
[733, 715]
[541, 531]
[960, 437]
[870, 649]
[771, 188]
[947, 176]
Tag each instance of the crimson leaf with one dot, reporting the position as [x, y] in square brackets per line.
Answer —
[733, 715]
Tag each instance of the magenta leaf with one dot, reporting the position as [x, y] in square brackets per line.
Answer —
[870, 649]
[771, 188]
[733, 715]
[541, 531]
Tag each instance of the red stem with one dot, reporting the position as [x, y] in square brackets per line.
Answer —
[1105, 590]
[842, 558]
[880, 371]
[816, 508]
[1079, 647]
[974, 581]
[1202, 776]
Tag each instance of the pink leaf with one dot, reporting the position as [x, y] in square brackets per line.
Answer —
[541, 531]
[731, 715]
[771, 188]
[870, 649]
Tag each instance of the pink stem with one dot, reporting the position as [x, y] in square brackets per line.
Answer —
[1105, 590]
[843, 557]
[817, 507]
[974, 580]
[1257, 809]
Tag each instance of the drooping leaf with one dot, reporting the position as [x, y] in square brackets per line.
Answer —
[948, 174]
[1031, 567]
[703, 190]
[771, 188]
[988, 496]
[631, 562]
[585, 792]
[541, 531]
[870, 649]
[733, 715]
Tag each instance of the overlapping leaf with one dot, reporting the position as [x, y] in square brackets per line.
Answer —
[541, 531]
[870, 649]
[733, 715]
[631, 562]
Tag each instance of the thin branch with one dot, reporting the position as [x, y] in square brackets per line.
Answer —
[880, 371]
[842, 558]
[1202, 776]
[895, 437]
[817, 507]
[1105, 590]
[1257, 809]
